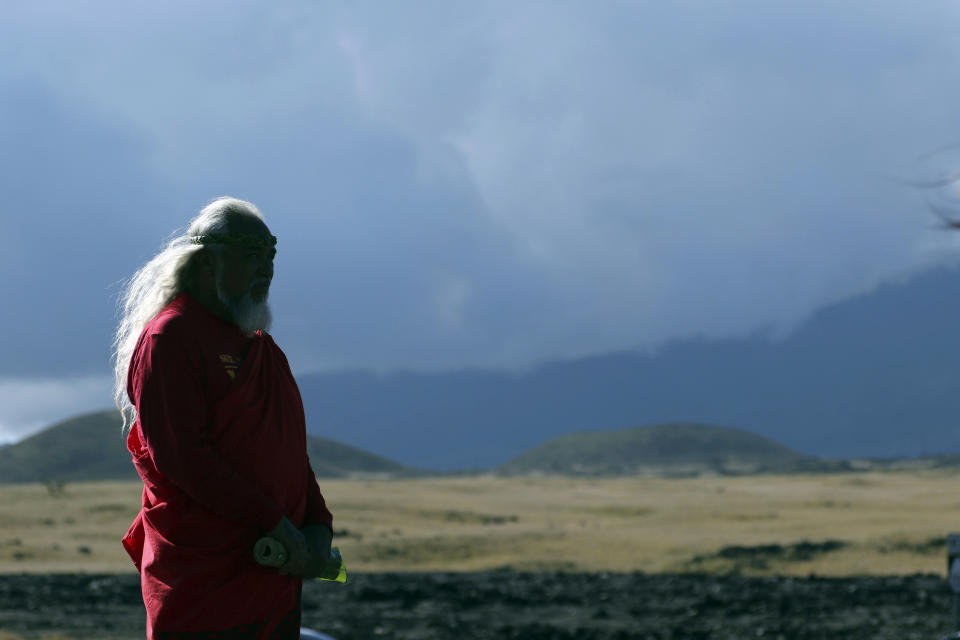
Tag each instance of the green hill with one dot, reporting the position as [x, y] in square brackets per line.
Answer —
[90, 447]
[87, 447]
[669, 449]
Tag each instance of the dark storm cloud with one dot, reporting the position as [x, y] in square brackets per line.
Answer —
[685, 168]
[75, 190]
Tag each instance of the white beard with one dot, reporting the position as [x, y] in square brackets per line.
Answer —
[248, 314]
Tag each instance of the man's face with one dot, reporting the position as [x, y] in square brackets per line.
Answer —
[246, 268]
[243, 274]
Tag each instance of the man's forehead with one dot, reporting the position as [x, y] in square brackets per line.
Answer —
[245, 232]
[242, 239]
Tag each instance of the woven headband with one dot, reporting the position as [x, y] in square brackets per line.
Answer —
[235, 238]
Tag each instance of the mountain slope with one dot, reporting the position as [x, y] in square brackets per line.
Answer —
[661, 449]
[91, 447]
[331, 459]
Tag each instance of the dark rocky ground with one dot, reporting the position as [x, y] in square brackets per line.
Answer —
[531, 606]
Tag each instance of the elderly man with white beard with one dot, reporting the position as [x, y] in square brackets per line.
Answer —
[217, 433]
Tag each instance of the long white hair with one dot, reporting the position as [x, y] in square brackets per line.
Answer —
[157, 283]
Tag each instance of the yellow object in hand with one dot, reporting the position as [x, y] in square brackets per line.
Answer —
[342, 574]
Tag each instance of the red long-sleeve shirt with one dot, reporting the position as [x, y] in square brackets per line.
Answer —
[220, 443]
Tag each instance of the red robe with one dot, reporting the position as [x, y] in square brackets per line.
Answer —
[220, 443]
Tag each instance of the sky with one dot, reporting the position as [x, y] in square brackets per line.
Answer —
[461, 184]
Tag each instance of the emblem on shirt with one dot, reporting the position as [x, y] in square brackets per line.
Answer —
[230, 364]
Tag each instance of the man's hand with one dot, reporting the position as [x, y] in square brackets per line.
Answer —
[321, 563]
[296, 545]
[321, 566]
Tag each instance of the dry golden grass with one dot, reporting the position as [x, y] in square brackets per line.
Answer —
[893, 523]
[77, 530]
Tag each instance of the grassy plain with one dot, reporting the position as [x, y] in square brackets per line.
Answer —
[859, 523]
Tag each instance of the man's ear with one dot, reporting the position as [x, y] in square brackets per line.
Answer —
[202, 270]
[204, 261]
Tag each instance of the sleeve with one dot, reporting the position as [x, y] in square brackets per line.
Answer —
[170, 397]
[317, 511]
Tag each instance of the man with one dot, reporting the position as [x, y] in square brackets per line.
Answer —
[218, 437]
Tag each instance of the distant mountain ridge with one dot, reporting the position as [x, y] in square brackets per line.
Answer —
[91, 447]
[874, 376]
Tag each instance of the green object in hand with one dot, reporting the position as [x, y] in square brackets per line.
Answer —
[342, 574]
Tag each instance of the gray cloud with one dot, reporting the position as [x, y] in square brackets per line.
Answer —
[473, 183]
